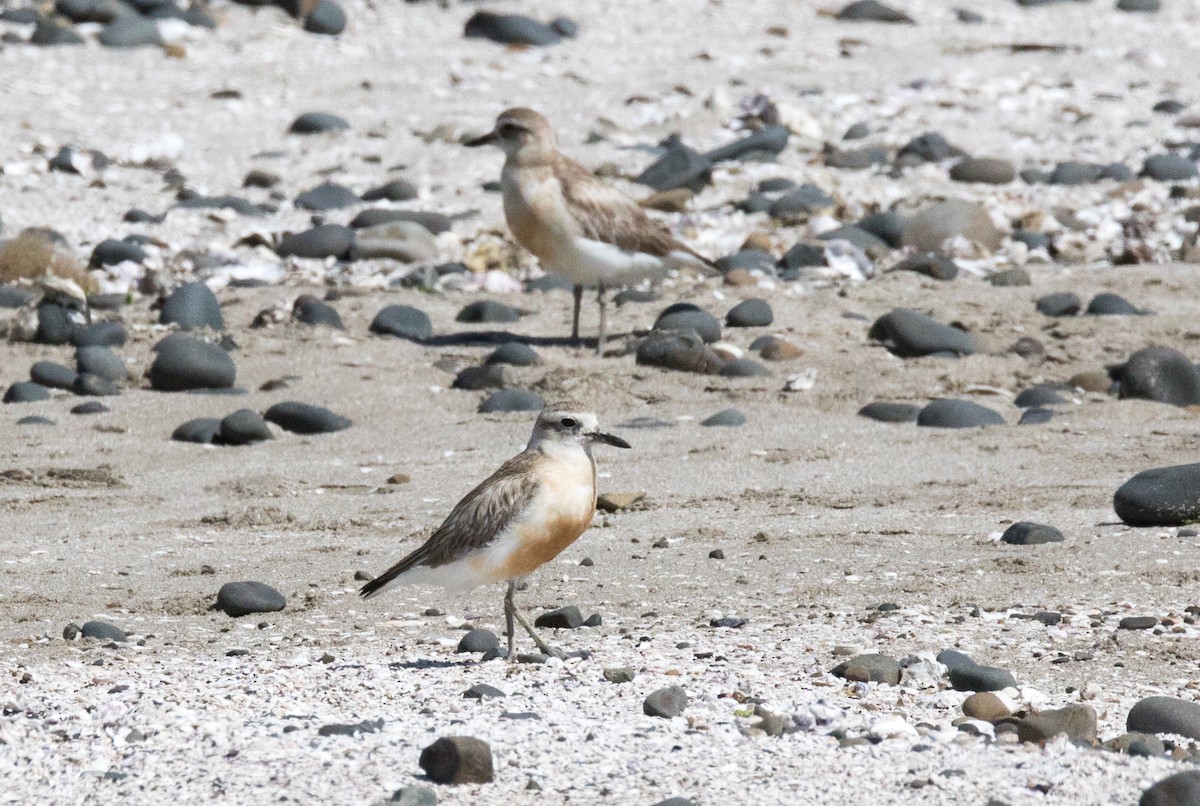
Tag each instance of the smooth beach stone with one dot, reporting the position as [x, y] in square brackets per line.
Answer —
[870, 667]
[1027, 533]
[1111, 305]
[1061, 303]
[1076, 173]
[478, 641]
[395, 190]
[874, 248]
[488, 311]
[201, 430]
[743, 368]
[1035, 416]
[238, 599]
[130, 31]
[1039, 395]
[872, 11]
[1162, 714]
[564, 618]
[726, 418]
[48, 33]
[973, 677]
[510, 400]
[931, 227]
[750, 313]
[682, 351]
[100, 361]
[326, 240]
[90, 407]
[99, 334]
[953, 659]
[1180, 789]
[318, 123]
[667, 702]
[887, 226]
[112, 251]
[102, 631]
[192, 306]
[1161, 374]
[767, 141]
[26, 392]
[52, 375]
[986, 170]
[678, 167]
[684, 316]
[948, 413]
[939, 267]
[184, 362]
[1169, 167]
[309, 310]
[244, 427]
[929, 147]
[1077, 721]
[509, 29]
[404, 321]
[326, 196]
[487, 376]
[1164, 496]
[14, 296]
[326, 18]
[89, 385]
[435, 223]
[458, 760]
[54, 324]
[513, 353]
[304, 418]
[35, 419]
[481, 691]
[885, 412]
[236, 203]
[910, 334]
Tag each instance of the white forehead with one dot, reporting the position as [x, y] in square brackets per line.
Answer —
[585, 418]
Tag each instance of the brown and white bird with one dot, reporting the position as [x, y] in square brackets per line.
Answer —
[520, 518]
[575, 224]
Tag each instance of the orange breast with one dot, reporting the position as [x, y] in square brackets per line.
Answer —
[541, 543]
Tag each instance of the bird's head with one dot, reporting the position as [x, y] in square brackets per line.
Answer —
[518, 131]
[571, 423]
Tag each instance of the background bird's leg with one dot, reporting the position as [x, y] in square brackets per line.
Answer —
[575, 316]
[510, 608]
[603, 319]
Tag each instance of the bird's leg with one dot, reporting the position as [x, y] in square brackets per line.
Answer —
[578, 291]
[510, 612]
[603, 319]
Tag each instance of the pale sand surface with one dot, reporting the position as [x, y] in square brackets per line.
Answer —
[854, 513]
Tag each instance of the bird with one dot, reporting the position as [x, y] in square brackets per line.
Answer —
[518, 519]
[577, 225]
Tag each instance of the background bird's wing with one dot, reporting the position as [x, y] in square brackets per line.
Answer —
[605, 214]
[478, 519]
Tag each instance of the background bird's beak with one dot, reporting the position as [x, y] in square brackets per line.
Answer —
[609, 439]
[474, 142]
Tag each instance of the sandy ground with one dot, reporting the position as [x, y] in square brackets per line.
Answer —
[822, 515]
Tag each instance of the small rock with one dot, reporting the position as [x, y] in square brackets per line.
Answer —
[487, 310]
[481, 691]
[1025, 533]
[513, 353]
[326, 18]
[112, 251]
[1111, 305]
[1010, 278]
[404, 321]
[750, 313]
[973, 677]
[202, 430]
[101, 362]
[564, 618]
[243, 598]
[318, 123]
[870, 667]
[726, 417]
[679, 167]
[326, 196]
[89, 385]
[1161, 374]
[458, 760]
[908, 334]
[102, 631]
[350, 729]
[412, 796]
[684, 316]
[404, 241]
[667, 702]
[478, 641]
[309, 310]
[890, 412]
[395, 190]
[243, 427]
[684, 352]
[930, 228]
[26, 392]
[987, 170]
[1039, 395]
[957, 414]
[1137, 623]
[1180, 789]
[52, 375]
[1164, 496]
[1169, 167]
[91, 407]
[987, 706]
[615, 502]
[1062, 303]
[303, 418]
[184, 362]
[130, 31]
[510, 29]
[619, 674]
[489, 376]
[1162, 714]
[777, 348]
[511, 400]
[873, 11]
[939, 267]
[1077, 721]
[324, 241]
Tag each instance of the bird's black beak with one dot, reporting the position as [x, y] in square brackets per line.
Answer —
[475, 142]
[609, 439]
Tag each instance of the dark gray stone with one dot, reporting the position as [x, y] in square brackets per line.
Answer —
[326, 240]
[236, 203]
[874, 667]
[244, 598]
[113, 251]
[89, 385]
[35, 419]
[436, 223]
[726, 418]
[510, 29]
[953, 659]
[309, 310]
[743, 368]
[1162, 714]
[769, 140]
[478, 641]
[684, 317]
[748, 259]
[685, 352]
[1009, 278]
[1112, 305]
[14, 296]
[973, 677]
[326, 196]
[886, 412]
[1161, 374]
[481, 691]
[948, 413]
[102, 631]
[327, 18]
[488, 311]
[202, 430]
[1137, 623]
[1180, 789]
[986, 170]
[1169, 167]
[1026, 533]
[303, 418]
[939, 267]
[564, 618]
[100, 361]
[488, 376]
[929, 147]
[90, 407]
[908, 334]
[49, 33]
[667, 702]
[510, 400]
[52, 375]
[514, 353]
[130, 31]
[54, 324]
[318, 123]
[1076, 173]
[192, 306]
[1036, 416]
[750, 313]
[874, 247]
[803, 255]
[679, 167]
[395, 190]
[873, 11]
[184, 363]
[26, 392]
[1040, 395]
[1164, 496]
[458, 760]
[1077, 721]
[350, 729]
[244, 427]
[404, 321]
[1138, 5]
[1061, 303]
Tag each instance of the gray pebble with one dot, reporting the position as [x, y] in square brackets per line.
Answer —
[987, 170]
[318, 123]
[564, 618]
[1180, 789]
[404, 321]
[947, 413]
[886, 412]
[326, 240]
[102, 631]
[478, 641]
[244, 427]
[52, 375]
[100, 361]
[1161, 374]
[1026, 533]
[1162, 714]
[309, 310]
[304, 418]
[725, 417]
[184, 363]
[1062, 303]
[326, 196]
[243, 598]
[908, 334]
[511, 400]
[509, 29]
[26, 392]
[486, 310]
[514, 353]
[685, 352]
[684, 316]
[667, 702]
[750, 313]
[202, 430]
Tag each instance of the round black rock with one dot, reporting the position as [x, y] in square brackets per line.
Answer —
[726, 417]
[939, 267]
[1161, 374]
[488, 376]
[309, 310]
[192, 306]
[26, 392]
[130, 31]
[1026, 533]
[1036, 416]
[1169, 168]
[667, 702]
[684, 316]
[948, 413]
[102, 631]
[243, 598]
[973, 677]
[244, 427]
[510, 400]
[910, 334]
[685, 352]
[1039, 395]
[1164, 496]
[750, 313]
[478, 641]
[1062, 303]
[743, 368]
[100, 361]
[54, 324]
[486, 310]
[514, 353]
[111, 252]
[509, 29]
[184, 363]
[1112, 305]
[1162, 714]
[202, 430]
[404, 321]
[318, 123]
[326, 18]
[89, 385]
[1180, 789]
[326, 240]
[396, 190]
[326, 196]
[564, 618]
[52, 375]
[303, 418]
[886, 412]
[99, 334]
[90, 407]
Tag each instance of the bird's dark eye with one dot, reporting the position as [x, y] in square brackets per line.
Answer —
[508, 129]
[568, 422]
